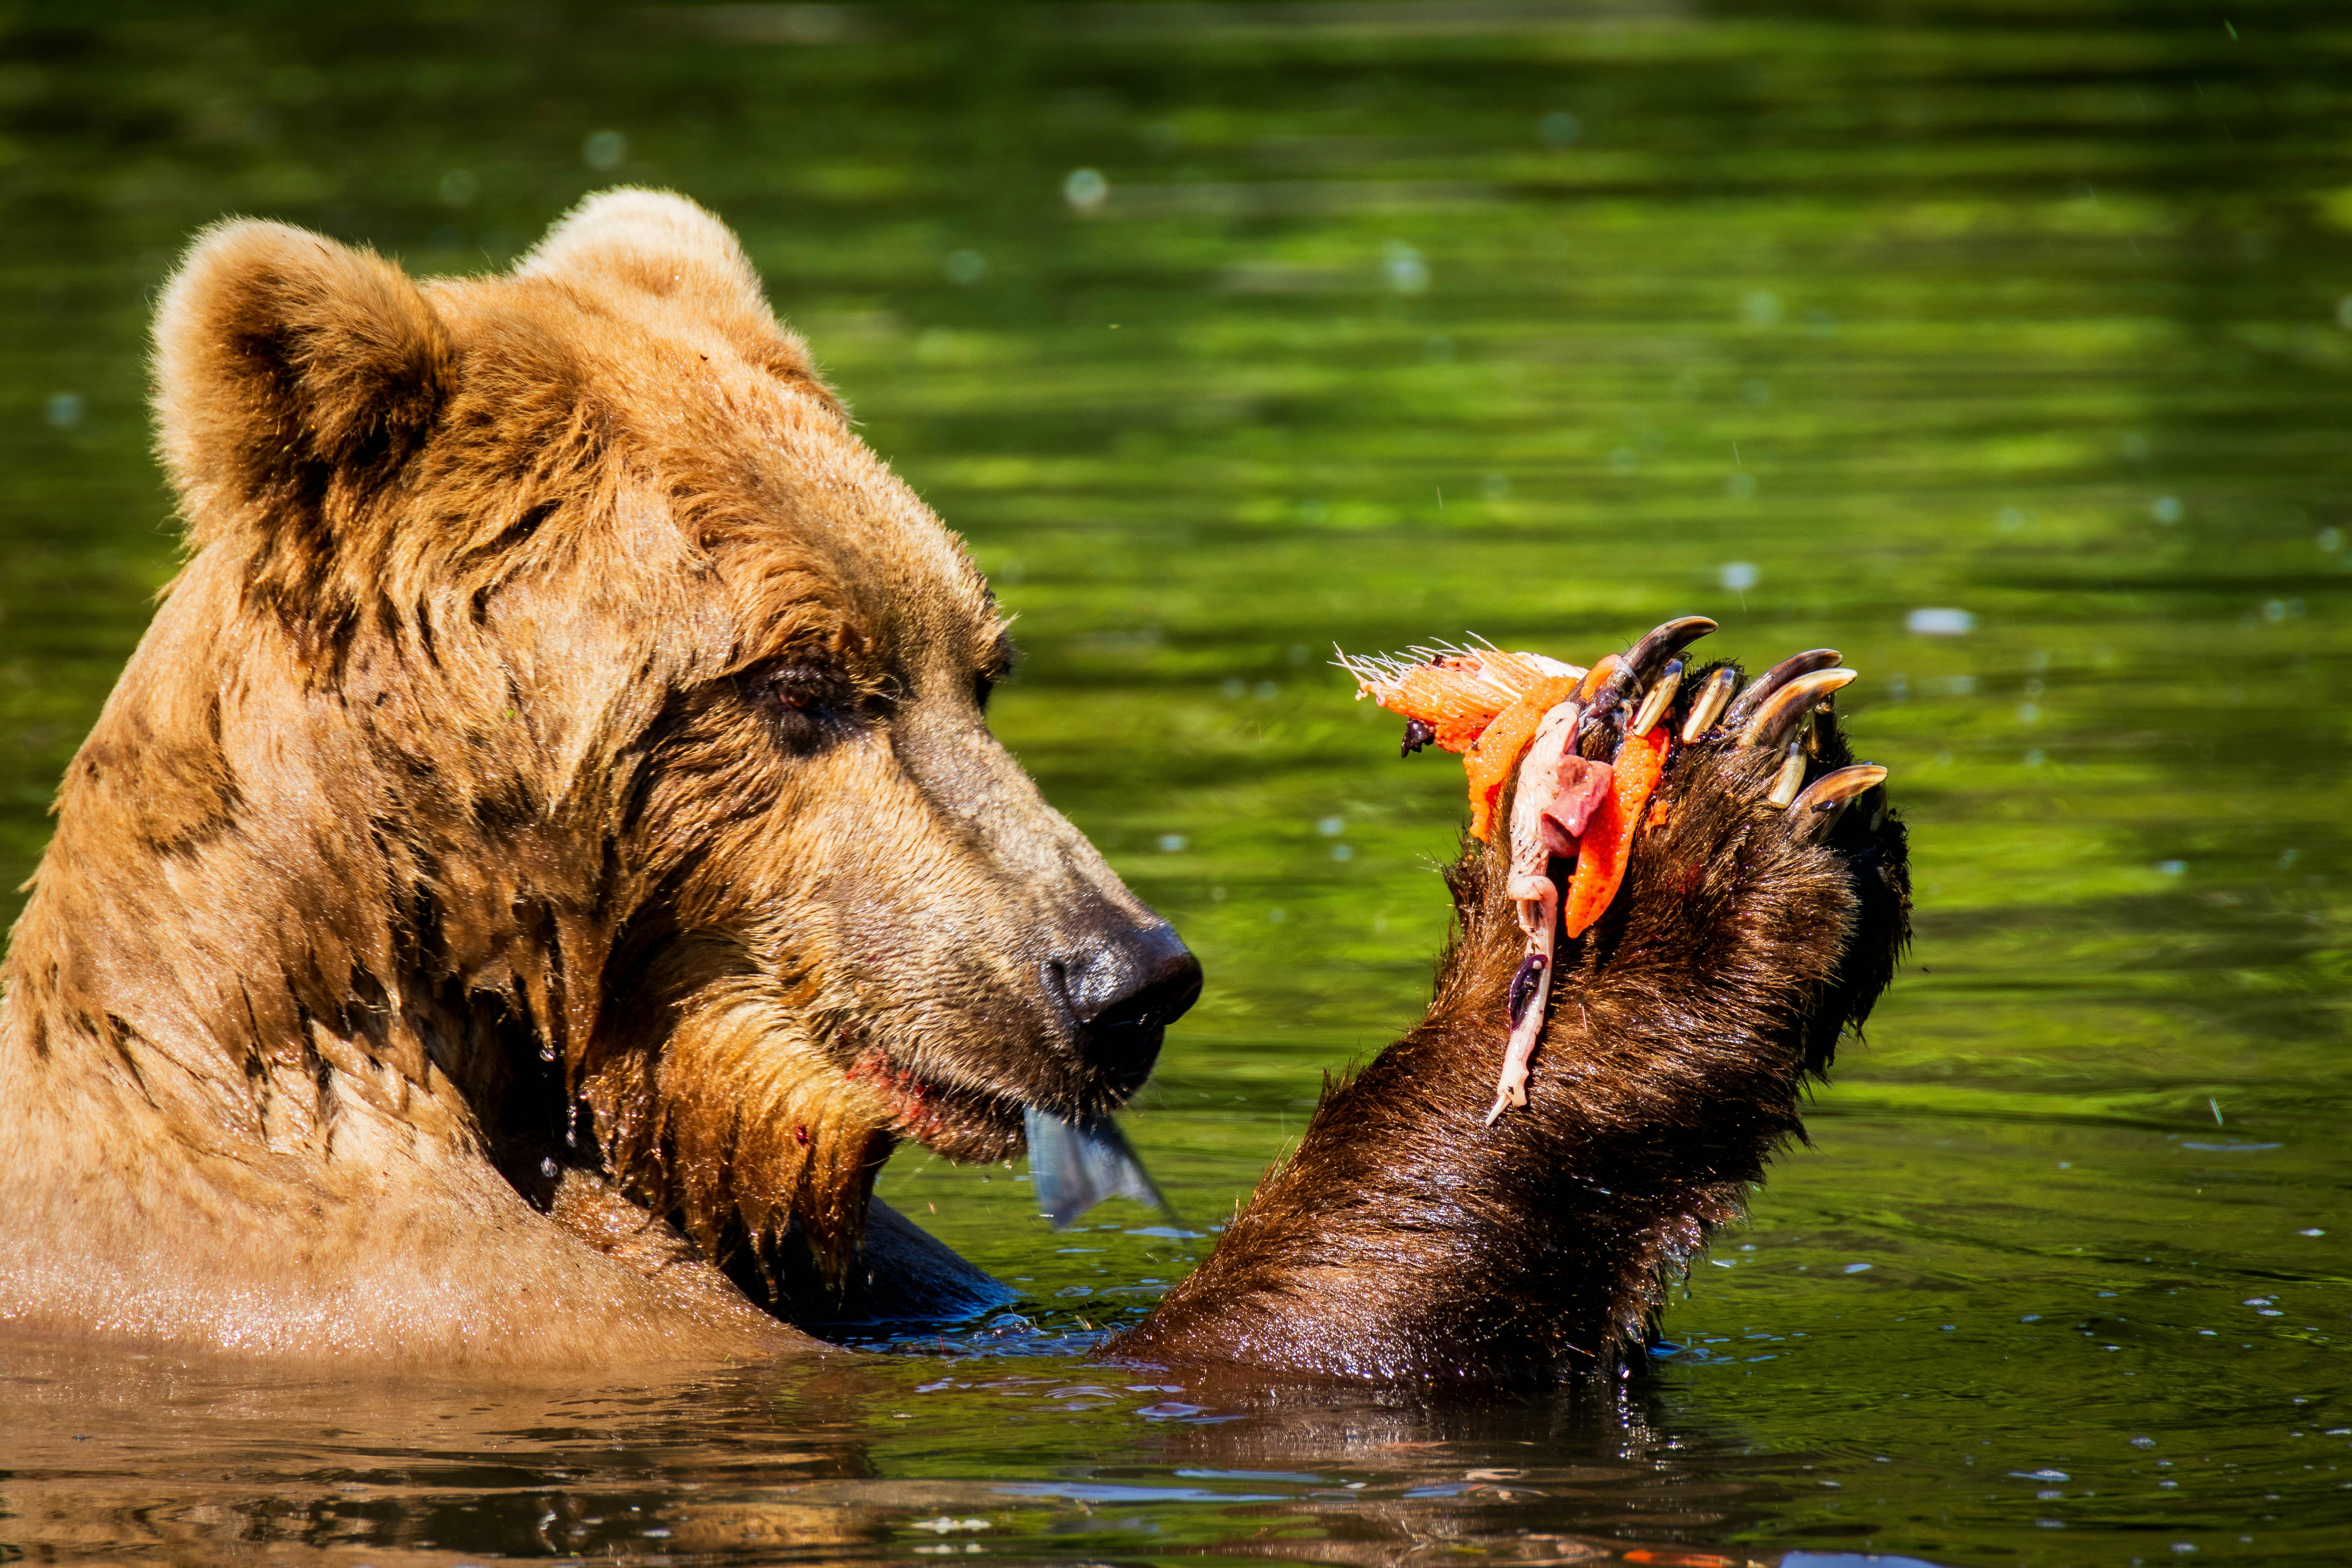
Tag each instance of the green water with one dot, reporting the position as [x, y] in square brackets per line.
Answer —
[1396, 321]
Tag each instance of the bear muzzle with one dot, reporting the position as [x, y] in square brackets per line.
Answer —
[1118, 993]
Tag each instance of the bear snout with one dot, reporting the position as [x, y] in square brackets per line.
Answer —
[1122, 990]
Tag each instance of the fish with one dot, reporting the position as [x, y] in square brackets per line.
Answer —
[1482, 701]
[1073, 1166]
[1526, 714]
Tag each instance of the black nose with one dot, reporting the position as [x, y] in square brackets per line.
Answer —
[1124, 992]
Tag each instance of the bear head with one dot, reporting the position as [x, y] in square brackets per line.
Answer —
[561, 699]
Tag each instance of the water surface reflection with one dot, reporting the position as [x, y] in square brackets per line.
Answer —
[135, 1458]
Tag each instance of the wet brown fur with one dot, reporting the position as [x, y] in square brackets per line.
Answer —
[1404, 1239]
[460, 942]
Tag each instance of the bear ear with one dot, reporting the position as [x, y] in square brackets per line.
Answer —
[282, 359]
[653, 242]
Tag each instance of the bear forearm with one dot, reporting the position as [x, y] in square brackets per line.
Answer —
[1406, 1238]
[1409, 1239]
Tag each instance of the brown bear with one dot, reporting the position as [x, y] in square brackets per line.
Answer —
[547, 848]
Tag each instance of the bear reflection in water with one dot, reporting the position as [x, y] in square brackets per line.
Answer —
[549, 849]
[210, 1461]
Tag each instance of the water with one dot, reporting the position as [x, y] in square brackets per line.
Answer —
[1387, 321]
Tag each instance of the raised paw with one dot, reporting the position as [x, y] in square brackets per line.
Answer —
[1736, 893]
[1643, 973]
[1766, 893]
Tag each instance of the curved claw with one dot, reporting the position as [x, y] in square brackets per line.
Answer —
[1615, 679]
[1664, 642]
[1779, 675]
[1661, 698]
[1771, 720]
[1816, 811]
[1708, 705]
[1790, 779]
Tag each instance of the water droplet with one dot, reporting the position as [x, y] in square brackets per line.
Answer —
[1939, 623]
[1403, 267]
[1561, 129]
[604, 150]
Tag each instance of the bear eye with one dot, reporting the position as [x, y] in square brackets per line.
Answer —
[810, 705]
[997, 668]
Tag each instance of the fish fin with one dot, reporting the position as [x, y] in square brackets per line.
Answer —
[1073, 1166]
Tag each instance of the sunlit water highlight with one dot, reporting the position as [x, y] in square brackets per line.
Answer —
[2005, 349]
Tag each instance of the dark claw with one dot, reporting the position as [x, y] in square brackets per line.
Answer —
[1772, 679]
[1815, 812]
[1417, 734]
[1665, 643]
[1662, 644]
[1771, 721]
